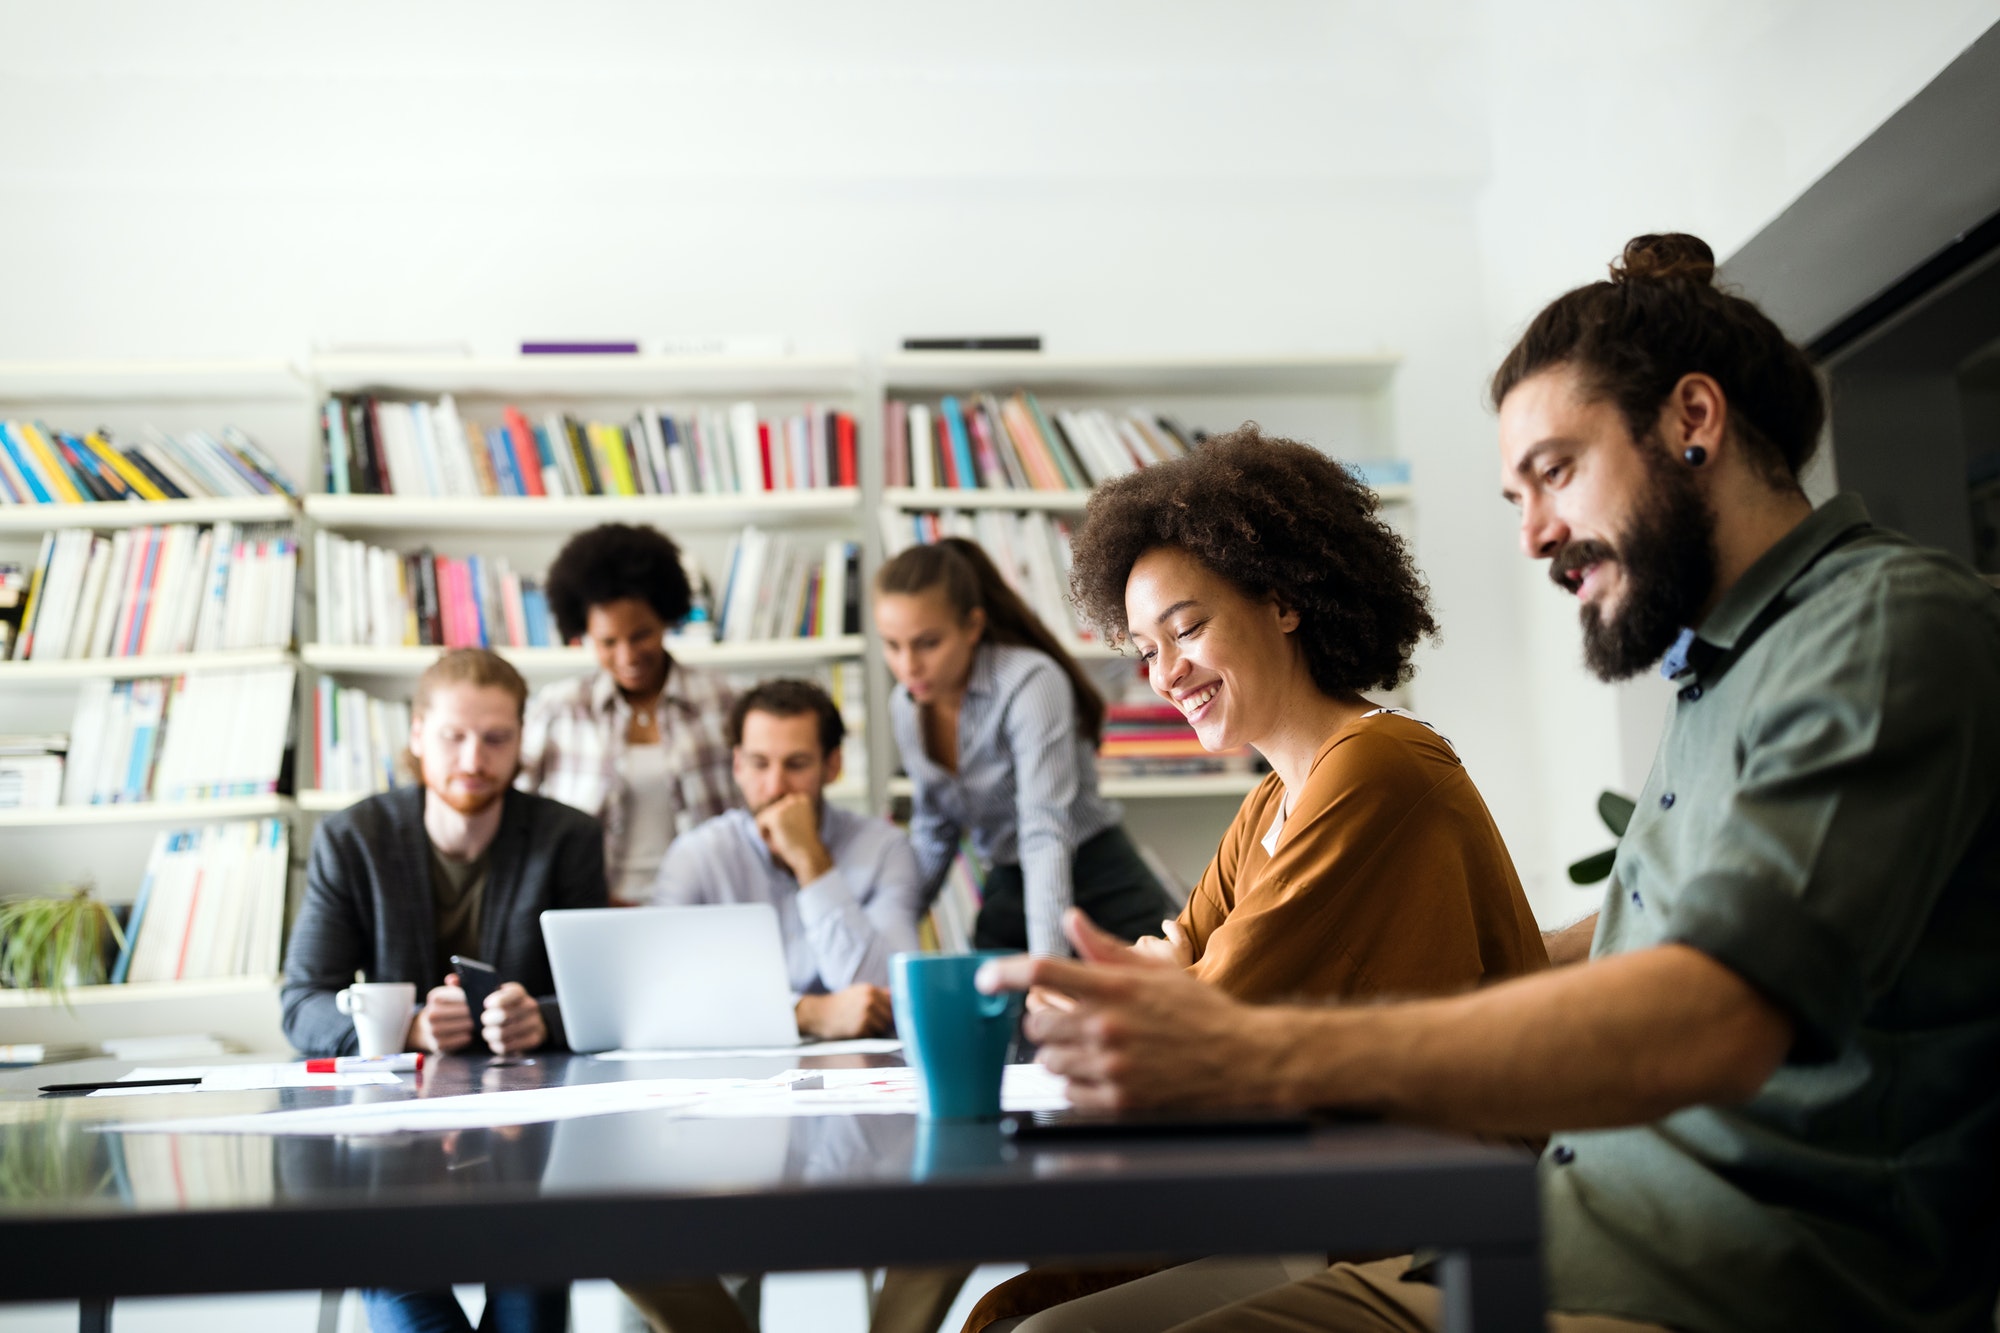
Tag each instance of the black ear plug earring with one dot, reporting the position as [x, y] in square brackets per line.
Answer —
[1695, 455]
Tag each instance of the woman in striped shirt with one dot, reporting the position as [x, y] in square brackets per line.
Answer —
[998, 730]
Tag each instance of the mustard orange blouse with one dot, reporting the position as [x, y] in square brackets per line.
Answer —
[1389, 879]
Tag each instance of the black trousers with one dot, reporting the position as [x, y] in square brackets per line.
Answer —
[1111, 884]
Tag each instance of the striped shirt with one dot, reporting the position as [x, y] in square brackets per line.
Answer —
[1025, 789]
[573, 749]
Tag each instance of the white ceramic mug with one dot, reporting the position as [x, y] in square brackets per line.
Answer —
[381, 1011]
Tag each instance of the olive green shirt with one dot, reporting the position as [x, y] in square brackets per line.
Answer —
[1824, 818]
[458, 896]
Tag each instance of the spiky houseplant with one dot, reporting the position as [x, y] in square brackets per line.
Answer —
[53, 943]
[1616, 812]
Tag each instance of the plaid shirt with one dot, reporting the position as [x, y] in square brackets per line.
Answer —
[573, 749]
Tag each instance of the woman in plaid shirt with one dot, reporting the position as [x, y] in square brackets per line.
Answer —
[641, 743]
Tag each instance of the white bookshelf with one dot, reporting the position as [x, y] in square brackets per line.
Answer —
[69, 671]
[546, 662]
[161, 813]
[938, 497]
[1127, 377]
[591, 376]
[139, 513]
[567, 514]
[241, 1010]
[88, 383]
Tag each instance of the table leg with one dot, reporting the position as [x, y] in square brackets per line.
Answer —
[1492, 1290]
[93, 1316]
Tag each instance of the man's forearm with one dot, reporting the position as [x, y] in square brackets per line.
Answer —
[1620, 1041]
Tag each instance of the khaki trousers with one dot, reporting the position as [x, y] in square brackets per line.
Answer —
[1208, 1297]
[912, 1300]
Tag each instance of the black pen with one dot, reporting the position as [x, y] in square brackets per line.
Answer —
[128, 1083]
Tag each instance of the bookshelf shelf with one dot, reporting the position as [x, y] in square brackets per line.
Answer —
[1056, 502]
[68, 671]
[545, 662]
[146, 812]
[273, 381]
[141, 992]
[592, 376]
[948, 372]
[1172, 786]
[393, 513]
[315, 801]
[132, 514]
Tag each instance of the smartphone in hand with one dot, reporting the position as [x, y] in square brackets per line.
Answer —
[478, 980]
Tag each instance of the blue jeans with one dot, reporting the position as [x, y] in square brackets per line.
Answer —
[508, 1310]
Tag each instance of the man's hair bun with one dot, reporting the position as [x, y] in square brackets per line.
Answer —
[1675, 256]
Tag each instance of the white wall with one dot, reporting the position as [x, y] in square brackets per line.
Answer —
[1705, 116]
[217, 178]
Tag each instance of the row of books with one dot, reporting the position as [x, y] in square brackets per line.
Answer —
[31, 769]
[357, 739]
[955, 910]
[1031, 549]
[368, 596]
[212, 904]
[987, 443]
[382, 446]
[201, 736]
[43, 466]
[785, 588]
[142, 591]
[1153, 739]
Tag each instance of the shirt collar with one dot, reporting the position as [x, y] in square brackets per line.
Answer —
[605, 696]
[1765, 581]
[985, 668]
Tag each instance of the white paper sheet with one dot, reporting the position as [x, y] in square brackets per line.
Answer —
[821, 1092]
[853, 1046]
[241, 1078]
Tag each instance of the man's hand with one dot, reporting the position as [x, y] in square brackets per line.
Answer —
[790, 825]
[444, 1023]
[512, 1021]
[860, 1010]
[1131, 1029]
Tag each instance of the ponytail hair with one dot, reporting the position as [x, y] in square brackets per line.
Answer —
[972, 582]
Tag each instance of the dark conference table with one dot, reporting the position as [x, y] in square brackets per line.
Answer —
[90, 1216]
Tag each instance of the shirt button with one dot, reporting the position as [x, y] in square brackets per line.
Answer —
[1637, 901]
[1691, 693]
[1562, 1154]
[1666, 800]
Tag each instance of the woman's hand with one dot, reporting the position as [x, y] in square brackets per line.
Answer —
[1174, 948]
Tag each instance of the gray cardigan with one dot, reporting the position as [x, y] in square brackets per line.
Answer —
[368, 905]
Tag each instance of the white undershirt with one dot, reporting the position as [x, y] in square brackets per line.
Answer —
[649, 821]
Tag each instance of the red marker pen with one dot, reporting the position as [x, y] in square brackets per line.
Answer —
[403, 1062]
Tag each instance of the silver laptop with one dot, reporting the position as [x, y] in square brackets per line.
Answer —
[668, 978]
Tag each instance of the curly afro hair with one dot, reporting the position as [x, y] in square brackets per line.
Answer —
[611, 562]
[1277, 519]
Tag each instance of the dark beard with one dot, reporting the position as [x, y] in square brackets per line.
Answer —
[1668, 554]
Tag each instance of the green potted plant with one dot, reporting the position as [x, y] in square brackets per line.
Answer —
[1616, 812]
[53, 943]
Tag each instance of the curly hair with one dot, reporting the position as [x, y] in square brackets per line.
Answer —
[610, 563]
[1276, 518]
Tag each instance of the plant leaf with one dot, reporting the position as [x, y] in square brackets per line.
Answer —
[1592, 869]
[1615, 811]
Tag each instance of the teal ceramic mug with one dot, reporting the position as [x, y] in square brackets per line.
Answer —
[953, 1036]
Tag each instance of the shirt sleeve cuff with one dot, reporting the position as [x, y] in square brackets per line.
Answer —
[1768, 938]
[824, 898]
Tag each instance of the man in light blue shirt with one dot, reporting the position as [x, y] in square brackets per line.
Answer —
[845, 885]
